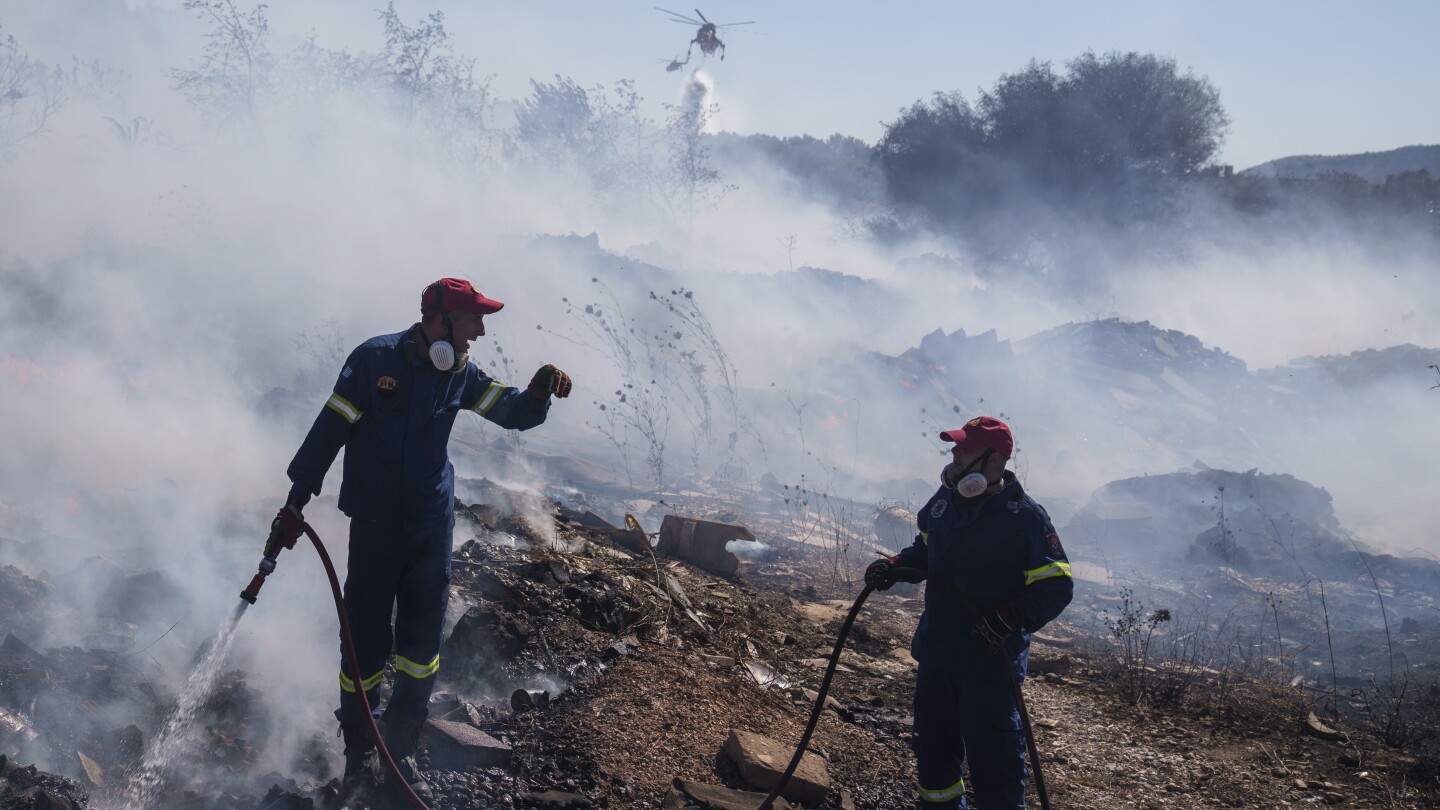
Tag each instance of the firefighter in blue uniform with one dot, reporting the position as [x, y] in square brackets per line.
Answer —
[392, 410]
[987, 539]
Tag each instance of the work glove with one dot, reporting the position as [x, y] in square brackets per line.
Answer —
[549, 380]
[877, 575]
[885, 572]
[995, 626]
[287, 526]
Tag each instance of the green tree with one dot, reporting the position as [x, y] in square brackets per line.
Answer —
[1108, 137]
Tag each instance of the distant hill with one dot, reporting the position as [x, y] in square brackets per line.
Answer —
[1373, 166]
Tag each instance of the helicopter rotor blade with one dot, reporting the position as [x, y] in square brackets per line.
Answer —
[731, 25]
[678, 17]
[702, 16]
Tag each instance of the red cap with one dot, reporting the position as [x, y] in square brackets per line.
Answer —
[450, 294]
[983, 433]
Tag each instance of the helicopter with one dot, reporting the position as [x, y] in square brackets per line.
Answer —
[707, 37]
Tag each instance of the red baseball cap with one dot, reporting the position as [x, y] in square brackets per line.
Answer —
[983, 433]
[450, 294]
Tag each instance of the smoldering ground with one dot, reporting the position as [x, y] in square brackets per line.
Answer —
[181, 287]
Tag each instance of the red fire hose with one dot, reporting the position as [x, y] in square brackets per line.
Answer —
[267, 565]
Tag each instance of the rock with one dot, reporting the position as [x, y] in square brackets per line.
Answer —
[487, 515]
[281, 799]
[457, 746]
[1042, 664]
[807, 697]
[719, 798]
[486, 636]
[847, 802]
[556, 798]
[762, 761]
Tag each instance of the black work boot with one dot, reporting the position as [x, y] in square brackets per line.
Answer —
[411, 772]
[357, 786]
[401, 737]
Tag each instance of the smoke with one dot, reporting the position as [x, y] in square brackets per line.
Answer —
[177, 296]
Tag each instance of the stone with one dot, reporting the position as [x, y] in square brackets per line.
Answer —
[556, 798]
[1043, 664]
[762, 761]
[457, 746]
[719, 798]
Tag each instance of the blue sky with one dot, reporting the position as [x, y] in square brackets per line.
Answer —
[1296, 77]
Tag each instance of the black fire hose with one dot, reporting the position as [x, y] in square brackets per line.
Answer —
[819, 700]
[835, 661]
[351, 660]
[964, 601]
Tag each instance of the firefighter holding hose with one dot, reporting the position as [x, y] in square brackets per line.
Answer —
[392, 409]
[997, 573]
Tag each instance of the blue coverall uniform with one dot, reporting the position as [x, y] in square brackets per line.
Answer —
[996, 549]
[392, 411]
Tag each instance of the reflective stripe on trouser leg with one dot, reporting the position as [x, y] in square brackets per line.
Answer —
[420, 600]
[371, 579]
[939, 747]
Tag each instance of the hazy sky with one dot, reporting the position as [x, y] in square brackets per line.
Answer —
[1296, 77]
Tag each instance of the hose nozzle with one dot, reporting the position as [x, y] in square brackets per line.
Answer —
[267, 566]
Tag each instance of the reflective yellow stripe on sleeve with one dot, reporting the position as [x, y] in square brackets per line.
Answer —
[414, 670]
[347, 684]
[925, 538]
[944, 795]
[489, 398]
[1054, 569]
[343, 407]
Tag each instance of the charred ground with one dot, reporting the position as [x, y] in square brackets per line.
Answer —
[649, 662]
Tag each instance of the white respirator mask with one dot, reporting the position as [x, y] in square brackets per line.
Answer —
[442, 355]
[961, 479]
[442, 352]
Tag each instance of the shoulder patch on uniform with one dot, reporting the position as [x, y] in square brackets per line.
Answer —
[938, 508]
[1052, 544]
[345, 372]
[386, 383]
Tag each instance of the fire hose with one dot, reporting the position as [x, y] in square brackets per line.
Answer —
[819, 706]
[267, 565]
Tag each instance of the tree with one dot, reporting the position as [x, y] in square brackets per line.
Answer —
[1105, 138]
[233, 74]
[941, 139]
[30, 92]
[1137, 112]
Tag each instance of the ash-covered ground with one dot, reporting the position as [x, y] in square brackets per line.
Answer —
[588, 665]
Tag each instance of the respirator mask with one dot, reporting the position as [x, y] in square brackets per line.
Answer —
[442, 355]
[442, 352]
[968, 481]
